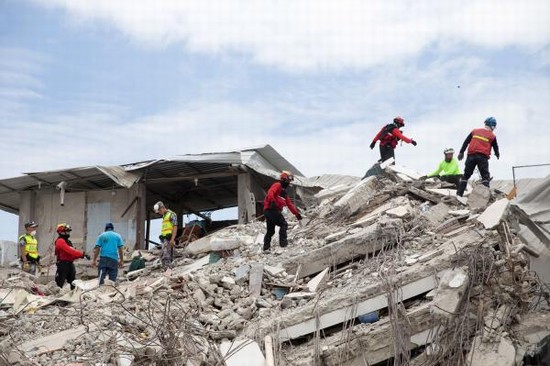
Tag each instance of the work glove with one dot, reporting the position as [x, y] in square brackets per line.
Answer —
[460, 156]
[298, 216]
[86, 256]
[413, 142]
[498, 156]
[372, 145]
[26, 266]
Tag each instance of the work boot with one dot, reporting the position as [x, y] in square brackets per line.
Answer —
[461, 187]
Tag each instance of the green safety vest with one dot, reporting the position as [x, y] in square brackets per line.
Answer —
[167, 225]
[31, 246]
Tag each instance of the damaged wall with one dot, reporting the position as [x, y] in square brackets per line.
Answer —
[86, 212]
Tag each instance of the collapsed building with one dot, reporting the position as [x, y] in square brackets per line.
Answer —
[384, 270]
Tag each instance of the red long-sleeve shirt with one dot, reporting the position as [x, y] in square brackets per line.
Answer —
[278, 196]
[387, 136]
[65, 252]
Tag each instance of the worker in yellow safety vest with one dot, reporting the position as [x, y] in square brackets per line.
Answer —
[28, 248]
[168, 232]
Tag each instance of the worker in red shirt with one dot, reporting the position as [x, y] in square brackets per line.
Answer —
[277, 198]
[66, 255]
[388, 137]
[479, 143]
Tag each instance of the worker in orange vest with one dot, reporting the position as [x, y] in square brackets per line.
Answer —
[479, 143]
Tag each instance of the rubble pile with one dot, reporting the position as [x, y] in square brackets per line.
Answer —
[392, 269]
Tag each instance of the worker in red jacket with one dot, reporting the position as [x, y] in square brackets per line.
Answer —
[479, 143]
[388, 137]
[277, 198]
[66, 255]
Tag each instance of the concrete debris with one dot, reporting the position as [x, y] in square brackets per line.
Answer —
[384, 253]
[317, 282]
[242, 352]
[502, 353]
[479, 198]
[493, 215]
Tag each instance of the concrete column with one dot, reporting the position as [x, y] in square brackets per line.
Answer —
[141, 216]
[246, 199]
[27, 208]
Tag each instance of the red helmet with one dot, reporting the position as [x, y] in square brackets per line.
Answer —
[286, 175]
[63, 228]
[399, 121]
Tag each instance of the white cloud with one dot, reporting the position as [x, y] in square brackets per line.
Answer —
[318, 34]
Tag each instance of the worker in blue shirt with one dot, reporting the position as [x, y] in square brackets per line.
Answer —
[109, 248]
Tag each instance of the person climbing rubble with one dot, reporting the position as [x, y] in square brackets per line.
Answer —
[276, 199]
[479, 143]
[168, 232]
[66, 255]
[388, 136]
[28, 247]
[448, 170]
[109, 248]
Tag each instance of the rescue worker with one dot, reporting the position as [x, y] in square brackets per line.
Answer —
[66, 255]
[276, 199]
[108, 248]
[168, 232]
[448, 170]
[388, 137]
[479, 143]
[28, 248]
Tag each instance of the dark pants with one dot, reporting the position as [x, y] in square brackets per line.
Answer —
[472, 161]
[275, 218]
[386, 152]
[454, 179]
[107, 266]
[33, 263]
[65, 272]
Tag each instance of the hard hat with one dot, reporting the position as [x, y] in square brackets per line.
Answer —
[399, 121]
[63, 228]
[491, 122]
[286, 175]
[109, 226]
[30, 224]
[449, 150]
[158, 206]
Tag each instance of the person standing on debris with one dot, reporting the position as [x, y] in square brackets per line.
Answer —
[479, 143]
[28, 248]
[448, 170]
[277, 198]
[66, 255]
[388, 136]
[108, 248]
[168, 232]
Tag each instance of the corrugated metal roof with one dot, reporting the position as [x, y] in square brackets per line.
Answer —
[204, 181]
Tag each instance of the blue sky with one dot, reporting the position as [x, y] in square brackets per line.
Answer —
[111, 82]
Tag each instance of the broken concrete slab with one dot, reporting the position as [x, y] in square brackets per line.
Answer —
[437, 214]
[368, 240]
[190, 268]
[219, 244]
[255, 279]
[400, 212]
[459, 212]
[479, 198]
[318, 281]
[199, 246]
[405, 171]
[493, 215]
[338, 307]
[357, 197]
[242, 352]
[273, 271]
[450, 292]
[502, 353]
[52, 342]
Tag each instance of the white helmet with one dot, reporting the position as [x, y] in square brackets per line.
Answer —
[449, 150]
